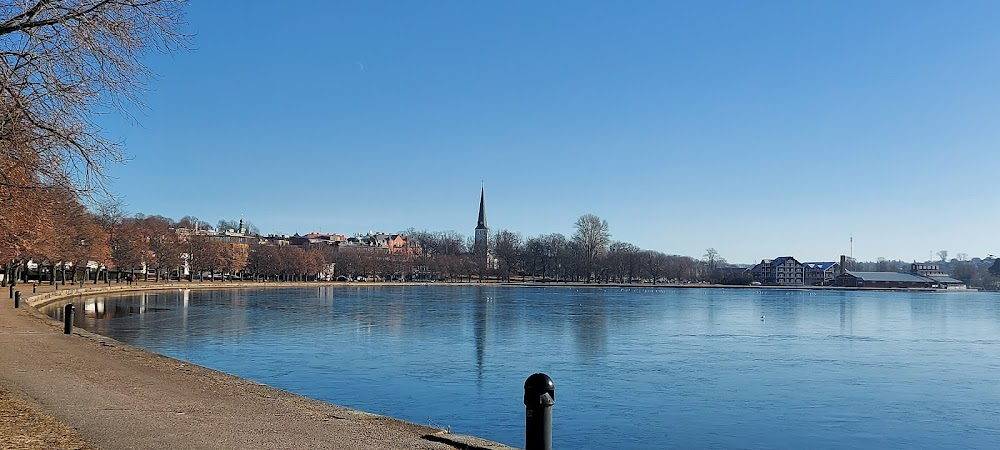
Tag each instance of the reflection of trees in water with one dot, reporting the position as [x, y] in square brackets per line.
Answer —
[991, 303]
[712, 304]
[924, 307]
[590, 322]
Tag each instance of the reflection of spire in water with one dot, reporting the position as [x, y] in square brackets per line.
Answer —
[480, 317]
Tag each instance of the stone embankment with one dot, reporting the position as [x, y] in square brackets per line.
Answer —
[84, 391]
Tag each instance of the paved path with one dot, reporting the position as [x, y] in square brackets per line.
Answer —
[122, 397]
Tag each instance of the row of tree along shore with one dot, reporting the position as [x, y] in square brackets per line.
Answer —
[103, 245]
[77, 244]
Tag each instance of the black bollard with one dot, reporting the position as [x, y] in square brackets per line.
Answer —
[68, 317]
[17, 299]
[34, 288]
[11, 291]
[539, 396]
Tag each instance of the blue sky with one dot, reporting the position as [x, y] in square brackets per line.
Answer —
[758, 128]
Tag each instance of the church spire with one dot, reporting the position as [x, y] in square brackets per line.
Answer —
[481, 244]
[481, 225]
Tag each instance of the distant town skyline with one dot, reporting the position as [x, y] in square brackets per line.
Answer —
[759, 130]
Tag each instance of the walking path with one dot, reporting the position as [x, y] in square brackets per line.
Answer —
[121, 397]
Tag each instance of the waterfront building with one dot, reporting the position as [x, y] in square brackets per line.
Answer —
[935, 279]
[926, 269]
[934, 272]
[883, 280]
[781, 271]
[820, 273]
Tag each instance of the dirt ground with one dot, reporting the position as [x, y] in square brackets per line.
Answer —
[25, 427]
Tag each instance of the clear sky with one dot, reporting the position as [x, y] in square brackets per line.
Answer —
[761, 129]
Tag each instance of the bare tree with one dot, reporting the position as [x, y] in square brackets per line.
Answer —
[508, 250]
[712, 259]
[653, 264]
[165, 248]
[593, 237]
[439, 242]
[224, 225]
[193, 223]
[62, 61]
[235, 225]
[128, 247]
[943, 254]
[623, 261]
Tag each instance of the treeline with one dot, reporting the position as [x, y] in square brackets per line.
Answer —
[69, 242]
[981, 274]
[552, 257]
[106, 244]
[589, 255]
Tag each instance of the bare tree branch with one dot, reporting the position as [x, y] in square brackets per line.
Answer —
[64, 61]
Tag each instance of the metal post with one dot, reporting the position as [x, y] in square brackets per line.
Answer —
[17, 299]
[68, 317]
[34, 288]
[11, 291]
[539, 396]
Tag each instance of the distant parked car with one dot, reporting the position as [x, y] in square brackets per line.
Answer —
[755, 283]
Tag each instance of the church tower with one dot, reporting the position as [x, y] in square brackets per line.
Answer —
[480, 247]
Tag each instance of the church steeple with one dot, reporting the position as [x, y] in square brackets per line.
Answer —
[481, 244]
[482, 210]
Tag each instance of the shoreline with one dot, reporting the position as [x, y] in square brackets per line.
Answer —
[115, 395]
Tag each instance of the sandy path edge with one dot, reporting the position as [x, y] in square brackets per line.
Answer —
[120, 396]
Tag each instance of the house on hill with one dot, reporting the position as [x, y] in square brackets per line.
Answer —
[392, 244]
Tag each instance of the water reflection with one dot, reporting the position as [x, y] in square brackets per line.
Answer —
[846, 319]
[590, 323]
[482, 301]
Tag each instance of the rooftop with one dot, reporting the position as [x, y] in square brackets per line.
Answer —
[897, 277]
